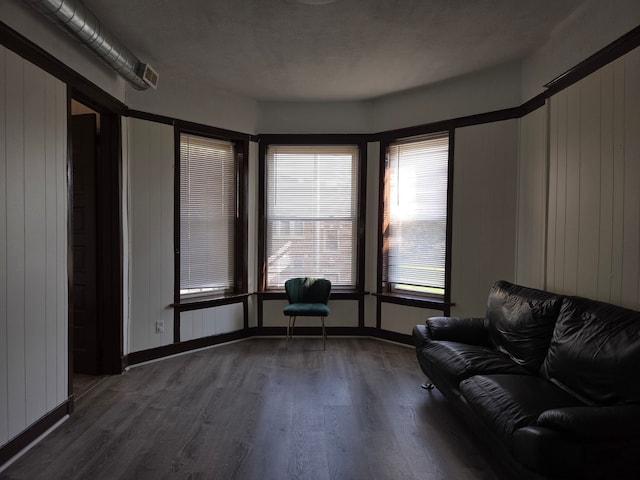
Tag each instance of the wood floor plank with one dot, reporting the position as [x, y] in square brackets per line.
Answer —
[257, 409]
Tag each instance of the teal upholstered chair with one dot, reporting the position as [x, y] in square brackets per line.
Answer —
[307, 297]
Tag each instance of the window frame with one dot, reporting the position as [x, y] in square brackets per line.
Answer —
[240, 254]
[384, 287]
[310, 140]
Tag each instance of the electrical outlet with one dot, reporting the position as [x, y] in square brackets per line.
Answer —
[160, 327]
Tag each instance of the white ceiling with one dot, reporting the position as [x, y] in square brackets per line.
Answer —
[346, 50]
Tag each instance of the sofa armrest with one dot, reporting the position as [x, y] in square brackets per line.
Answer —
[468, 330]
[617, 422]
[543, 450]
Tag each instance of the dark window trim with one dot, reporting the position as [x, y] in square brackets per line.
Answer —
[241, 150]
[414, 301]
[384, 291]
[312, 139]
[197, 303]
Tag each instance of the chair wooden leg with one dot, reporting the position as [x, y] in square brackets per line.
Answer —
[324, 335]
[290, 326]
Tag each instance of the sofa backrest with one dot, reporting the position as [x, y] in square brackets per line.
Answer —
[521, 322]
[595, 352]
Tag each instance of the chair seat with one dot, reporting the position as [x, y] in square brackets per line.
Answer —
[308, 297]
[307, 310]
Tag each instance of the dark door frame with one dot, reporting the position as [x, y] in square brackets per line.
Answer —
[110, 238]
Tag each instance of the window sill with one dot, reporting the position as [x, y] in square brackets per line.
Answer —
[415, 301]
[196, 303]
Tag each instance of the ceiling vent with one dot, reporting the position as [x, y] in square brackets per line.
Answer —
[149, 75]
[75, 18]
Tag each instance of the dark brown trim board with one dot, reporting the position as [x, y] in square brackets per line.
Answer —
[450, 181]
[602, 57]
[69, 250]
[183, 347]
[336, 331]
[31, 434]
[30, 51]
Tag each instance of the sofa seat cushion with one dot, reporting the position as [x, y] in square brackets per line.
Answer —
[458, 361]
[521, 322]
[506, 403]
[595, 352]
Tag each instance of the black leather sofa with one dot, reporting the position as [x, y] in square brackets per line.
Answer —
[551, 383]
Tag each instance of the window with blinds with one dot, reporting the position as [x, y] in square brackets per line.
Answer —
[312, 211]
[415, 215]
[207, 215]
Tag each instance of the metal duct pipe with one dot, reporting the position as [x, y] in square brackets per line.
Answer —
[74, 17]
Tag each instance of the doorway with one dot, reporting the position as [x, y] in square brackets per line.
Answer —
[95, 336]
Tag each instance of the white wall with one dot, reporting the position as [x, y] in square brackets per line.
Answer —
[579, 188]
[484, 213]
[314, 117]
[150, 173]
[492, 89]
[532, 200]
[594, 194]
[402, 319]
[150, 159]
[211, 321]
[592, 27]
[32, 24]
[33, 244]
[194, 102]
[344, 313]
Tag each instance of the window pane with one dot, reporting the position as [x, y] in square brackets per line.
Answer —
[207, 215]
[416, 215]
[311, 213]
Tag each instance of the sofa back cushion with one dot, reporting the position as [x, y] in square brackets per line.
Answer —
[595, 352]
[521, 322]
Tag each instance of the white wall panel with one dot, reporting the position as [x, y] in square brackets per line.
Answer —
[402, 319]
[33, 244]
[594, 199]
[532, 199]
[630, 293]
[484, 212]
[211, 321]
[151, 163]
[4, 277]
[344, 313]
[14, 94]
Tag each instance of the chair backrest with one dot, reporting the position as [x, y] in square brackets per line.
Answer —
[308, 290]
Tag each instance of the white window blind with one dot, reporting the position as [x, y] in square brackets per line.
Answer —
[415, 233]
[312, 204]
[207, 215]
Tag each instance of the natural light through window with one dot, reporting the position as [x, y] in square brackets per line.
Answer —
[415, 210]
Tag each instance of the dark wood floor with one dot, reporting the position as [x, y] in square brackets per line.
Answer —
[255, 410]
